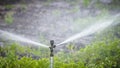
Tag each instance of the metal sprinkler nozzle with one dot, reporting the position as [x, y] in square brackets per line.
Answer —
[52, 48]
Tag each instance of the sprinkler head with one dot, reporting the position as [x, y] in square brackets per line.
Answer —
[52, 43]
[52, 48]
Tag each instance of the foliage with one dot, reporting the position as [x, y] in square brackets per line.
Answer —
[102, 53]
[97, 55]
[86, 2]
[8, 7]
[9, 17]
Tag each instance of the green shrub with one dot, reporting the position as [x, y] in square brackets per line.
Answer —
[100, 54]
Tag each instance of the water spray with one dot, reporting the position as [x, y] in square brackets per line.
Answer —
[10, 36]
[88, 31]
[52, 53]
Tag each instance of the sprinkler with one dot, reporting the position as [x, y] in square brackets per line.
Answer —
[51, 52]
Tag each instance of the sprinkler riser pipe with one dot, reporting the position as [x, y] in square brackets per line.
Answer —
[51, 62]
[51, 53]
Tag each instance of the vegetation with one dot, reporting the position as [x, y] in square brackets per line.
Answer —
[103, 53]
[9, 17]
[8, 9]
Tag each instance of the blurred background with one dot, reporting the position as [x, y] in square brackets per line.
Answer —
[45, 20]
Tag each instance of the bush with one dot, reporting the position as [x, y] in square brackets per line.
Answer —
[97, 55]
